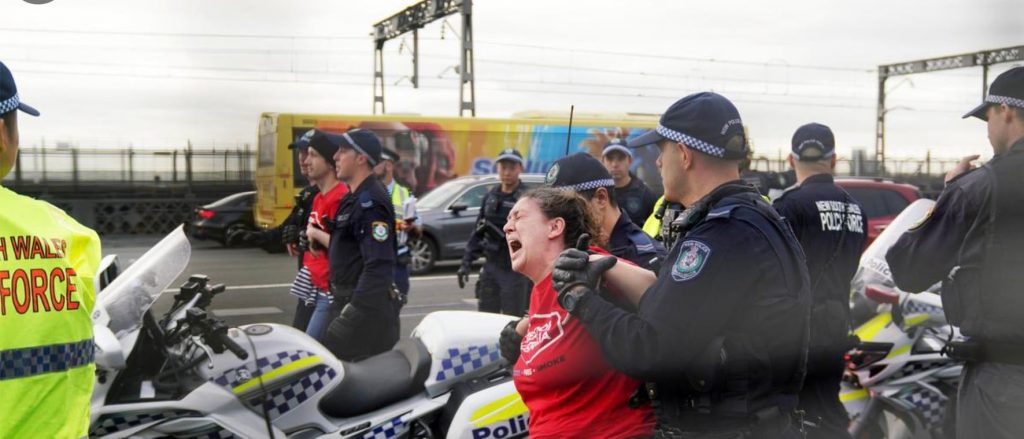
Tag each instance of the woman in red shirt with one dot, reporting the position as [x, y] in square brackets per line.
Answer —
[569, 388]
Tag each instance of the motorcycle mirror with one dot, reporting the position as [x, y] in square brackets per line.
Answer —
[882, 294]
[109, 354]
[108, 269]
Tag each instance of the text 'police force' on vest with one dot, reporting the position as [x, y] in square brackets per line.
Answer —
[834, 213]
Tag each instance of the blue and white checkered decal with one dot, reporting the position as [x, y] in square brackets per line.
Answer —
[996, 99]
[589, 185]
[916, 367]
[388, 430]
[690, 141]
[931, 405]
[241, 374]
[10, 104]
[914, 307]
[35, 360]
[460, 362]
[109, 424]
[283, 399]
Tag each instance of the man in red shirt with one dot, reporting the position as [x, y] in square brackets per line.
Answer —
[320, 162]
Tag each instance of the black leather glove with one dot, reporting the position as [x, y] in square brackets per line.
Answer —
[574, 269]
[244, 237]
[290, 234]
[509, 341]
[303, 240]
[463, 275]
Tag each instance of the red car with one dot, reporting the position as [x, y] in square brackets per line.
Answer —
[880, 199]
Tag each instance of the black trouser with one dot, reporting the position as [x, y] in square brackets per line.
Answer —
[357, 334]
[303, 313]
[819, 398]
[502, 290]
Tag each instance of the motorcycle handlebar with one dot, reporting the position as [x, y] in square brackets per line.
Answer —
[230, 344]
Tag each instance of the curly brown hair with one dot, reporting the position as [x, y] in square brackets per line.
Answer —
[573, 209]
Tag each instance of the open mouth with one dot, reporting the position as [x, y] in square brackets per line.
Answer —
[514, 245]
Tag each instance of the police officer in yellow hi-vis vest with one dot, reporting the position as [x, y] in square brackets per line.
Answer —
[47, 262]
[407, 223]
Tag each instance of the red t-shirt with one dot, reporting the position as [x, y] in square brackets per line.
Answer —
[323, 204]
[570, 390]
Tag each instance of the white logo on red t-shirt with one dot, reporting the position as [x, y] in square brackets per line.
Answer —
[545, 330]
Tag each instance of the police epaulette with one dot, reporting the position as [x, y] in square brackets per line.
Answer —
[721, 212]
[365, 200]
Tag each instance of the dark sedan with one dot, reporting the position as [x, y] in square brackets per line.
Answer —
[449, 214]
[222, 217]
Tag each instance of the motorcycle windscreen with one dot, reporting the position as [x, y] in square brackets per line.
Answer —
[873, 268]
[131, 294]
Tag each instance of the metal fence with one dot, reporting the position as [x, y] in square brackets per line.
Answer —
[133, 166]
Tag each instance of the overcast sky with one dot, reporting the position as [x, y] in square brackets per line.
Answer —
[157, 73]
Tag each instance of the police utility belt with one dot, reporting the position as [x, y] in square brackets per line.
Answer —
[973, 351]
[700, 411]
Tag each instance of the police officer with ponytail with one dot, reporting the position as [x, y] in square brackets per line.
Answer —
[721, 336]
[972, 242]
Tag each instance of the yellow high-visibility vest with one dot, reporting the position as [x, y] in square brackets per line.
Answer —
[652, 226]
[47, 264]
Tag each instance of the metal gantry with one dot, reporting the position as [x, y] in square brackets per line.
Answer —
[412, 19]
[982, 59]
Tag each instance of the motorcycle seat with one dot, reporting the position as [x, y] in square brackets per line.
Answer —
[380, 380]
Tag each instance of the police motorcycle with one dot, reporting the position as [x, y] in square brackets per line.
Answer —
[188, 375]
[898, 381]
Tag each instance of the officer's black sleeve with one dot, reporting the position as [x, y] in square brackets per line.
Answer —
[788, 209]
[926, 253]
[680, 315]
[376, 244]
[473, 247]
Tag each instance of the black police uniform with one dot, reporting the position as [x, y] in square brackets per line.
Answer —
[636, 199]
[723, 332]
[499, 289]
[362, 261]
[299, 216]
[972, 243]
[830, 227]
[629, 242]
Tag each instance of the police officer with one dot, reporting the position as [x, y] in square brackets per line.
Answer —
[582, 173]
[830, 226]
[972, 242]
[722, 334]
[362, 253]
[633, 195]
[289, 232]
[500, 289]
[406, 220]
[46, 297]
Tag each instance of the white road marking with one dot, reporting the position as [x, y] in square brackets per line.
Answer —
[232, 312]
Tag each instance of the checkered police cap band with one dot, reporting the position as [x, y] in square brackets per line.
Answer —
[10, 104]
[588, 185]
[992, 99]
[690, 141]
[359, 149]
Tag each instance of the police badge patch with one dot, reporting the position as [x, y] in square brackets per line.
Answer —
[380, 230]
[693, 255]
[552, 175]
